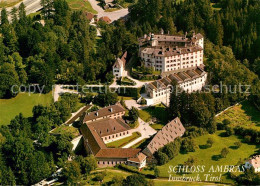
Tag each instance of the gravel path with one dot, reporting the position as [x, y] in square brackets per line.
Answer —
[115, 15]
[144, 129]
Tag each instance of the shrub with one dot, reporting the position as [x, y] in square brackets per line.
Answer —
[224, 152]
[210, 142]
[226, 122]
[229, 131]
[238, 144]
[161, 157]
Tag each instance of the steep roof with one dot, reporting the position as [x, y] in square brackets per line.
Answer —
[106, 19]
[109, 126]
[89, 133]
[120, 62]
[166, 135]
[114, 109]
[141, 156]
[178, 77]
[89, 16]
[170, 51]
[117, 153]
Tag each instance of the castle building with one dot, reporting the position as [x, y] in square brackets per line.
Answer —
[167, 53]
[180, 60]
[104, 127]
[166, 135]
[190, 81]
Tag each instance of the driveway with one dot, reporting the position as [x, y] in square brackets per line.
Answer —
[144, 129]
[115, 15]
[58, 90]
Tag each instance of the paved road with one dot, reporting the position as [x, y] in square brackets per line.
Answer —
[59, 90]
[112, 15]
[31, 6]
[144, 129]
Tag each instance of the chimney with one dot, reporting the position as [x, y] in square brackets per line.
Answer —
[96, 113]
[111, 109]
[145, 36]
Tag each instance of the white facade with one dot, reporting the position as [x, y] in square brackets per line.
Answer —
[162, 94]
[119, 67]
[168, 53]
[119, 72]
[116, 136]
[174, 62]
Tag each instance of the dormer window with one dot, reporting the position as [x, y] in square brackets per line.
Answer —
[114, 128]
[107, 130]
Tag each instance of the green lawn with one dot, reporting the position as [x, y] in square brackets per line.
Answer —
[8, 4]
[22, 103]
[158, 112]
[124, 141]
[210, 156]
[157, 126]
[81, 5]
[125, 98]
[64, 129]
[244, 114]
[139, 144]
[110, 173]
[179, 183]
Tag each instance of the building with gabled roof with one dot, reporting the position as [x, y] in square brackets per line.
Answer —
[113, 112]
[119, 66]
[167, 134]
[105, 19]
[168, 53]
[105, 129]
[159, 91]
[90, 17]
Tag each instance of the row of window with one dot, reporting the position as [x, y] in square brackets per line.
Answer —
[116, 135]
[116, 115]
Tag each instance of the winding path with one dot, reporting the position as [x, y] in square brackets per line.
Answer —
[115, 15]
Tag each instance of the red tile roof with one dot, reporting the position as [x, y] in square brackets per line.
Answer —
[90, 16]
[106, 19]
[117, 153]
[109, 126]
[138, 158]
[114, 109]
[166, 135]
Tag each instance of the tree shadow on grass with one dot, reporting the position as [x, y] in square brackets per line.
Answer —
[183, 152]
[233, 147]
[251, 111]
[216, 157]
[223, 134]
[203, 146]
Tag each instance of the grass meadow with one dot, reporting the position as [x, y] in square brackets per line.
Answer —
[211, 156]
[22, 103]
